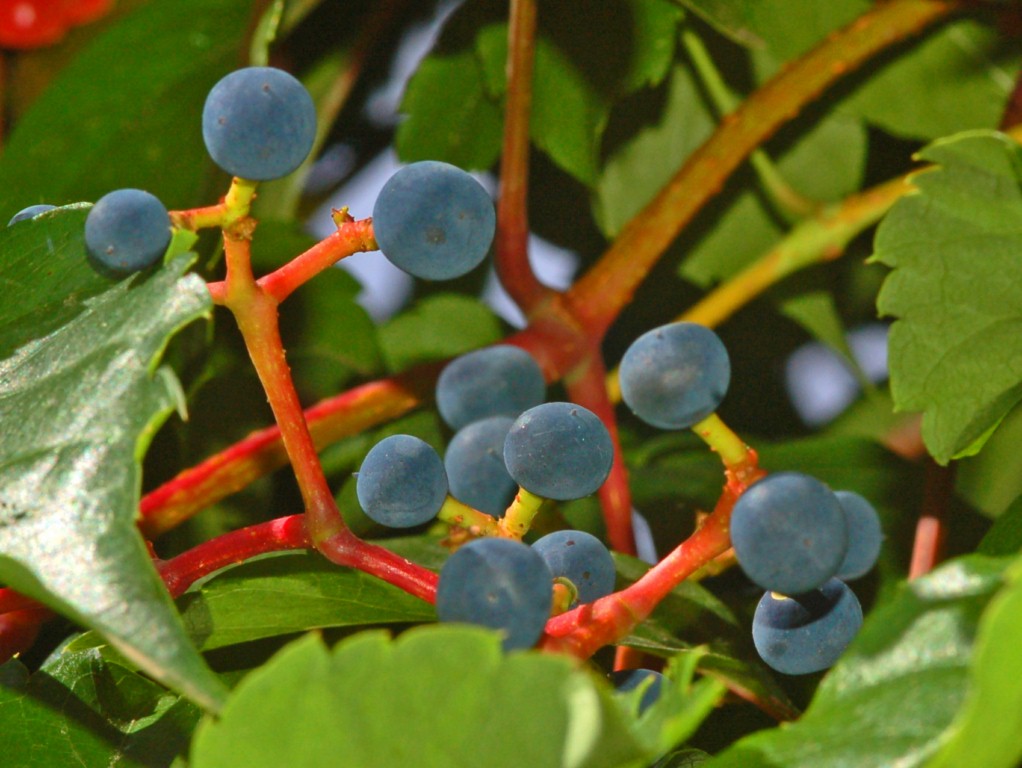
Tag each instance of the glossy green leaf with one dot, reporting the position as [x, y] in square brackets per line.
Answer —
[78, 408]
[289, 593]
[892, 697]
[955, 352]
[127, 110]
[988, 731]
[443, 325]
[84, 709]
[434, 698]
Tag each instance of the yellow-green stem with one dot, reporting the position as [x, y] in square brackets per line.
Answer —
[730, 447]
[519, 516]
[454, 512]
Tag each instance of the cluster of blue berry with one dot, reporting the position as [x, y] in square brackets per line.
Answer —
[792, 535]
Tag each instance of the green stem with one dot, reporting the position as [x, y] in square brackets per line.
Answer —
[454, 512]
[719, 436]
[519, 516]
[788, 201]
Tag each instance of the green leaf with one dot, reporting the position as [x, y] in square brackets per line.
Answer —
[78, 409]
[436, 697]
[988, 730]
[743, 225]
[1005, 535]
[126, 111]
[958, 77]
[443, 325]
[451, 117]
[629, 44]
[955, 351]
[289, 593]
[892, 697]
[83, 708]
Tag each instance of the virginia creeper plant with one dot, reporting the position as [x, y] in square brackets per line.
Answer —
[187, 577]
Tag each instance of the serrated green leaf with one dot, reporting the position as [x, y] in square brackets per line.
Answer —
[443, 325]
[126, 110]
[900, 683]
[434, 698]
[988, 730]
[78, 407]
[83, 709]
[955, 249]
[289, 593]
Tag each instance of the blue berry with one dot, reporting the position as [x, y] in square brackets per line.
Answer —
[434, 221]
[582, 558]
[31, 212]
[495, 381]
[806, 633]
[127, 230]
[402, 482]
[475, 466]
[864, 535]
[259, 123]
[675, 376]
[789, 533]
[630, 679]
[497, 583]
[559, 451]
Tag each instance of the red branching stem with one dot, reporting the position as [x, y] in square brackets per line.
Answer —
[585, 386]
[284, 533]
[512, 254]
[257, 318]
[931, 529]
[598, 297]
[350, 237]
[18, 630]
[346, 549]
[586, 629]
[261, 452]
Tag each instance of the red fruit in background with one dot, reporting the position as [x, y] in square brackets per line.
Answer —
[31, 23]
[83, 11]
[37, 23]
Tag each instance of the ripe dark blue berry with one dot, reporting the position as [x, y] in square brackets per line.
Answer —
[127, 230]
[789, 533]
[559, 451]
[259, 123]
[31, 212]
[402, 482]
[864, 535]
[806, 633]
[497, 583]
[475, 466]
[630, 679]
[582, 558]
[675, 376]
[434, 221]
[495, 381]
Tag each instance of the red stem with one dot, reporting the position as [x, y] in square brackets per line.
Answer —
[19, 629]
[284, 533]
[587, 387]
[931, 529]
[512, 255]
[347, 549]
[351, 237]
[583, 631]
